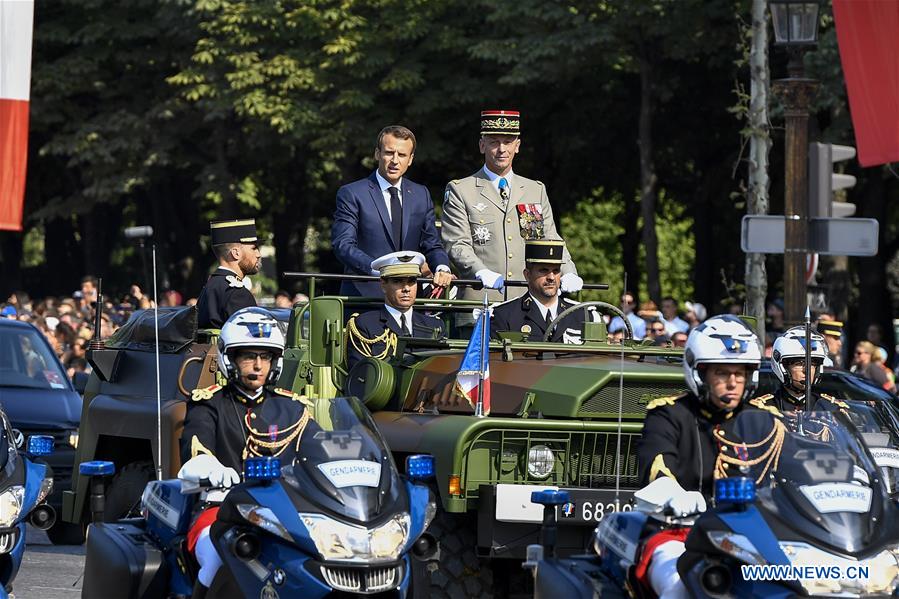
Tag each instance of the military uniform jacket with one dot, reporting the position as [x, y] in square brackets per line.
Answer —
[374, 334]
[223, 295]
[679, 440]
[821, 402]
[223, 423]
[478, 232]
[522, 314]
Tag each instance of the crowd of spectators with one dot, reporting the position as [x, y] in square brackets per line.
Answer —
[664, 327]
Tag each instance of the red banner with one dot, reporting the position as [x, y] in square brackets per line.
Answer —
[13, 160]
[867, 31]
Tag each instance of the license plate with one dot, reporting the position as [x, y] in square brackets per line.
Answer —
[590, 506]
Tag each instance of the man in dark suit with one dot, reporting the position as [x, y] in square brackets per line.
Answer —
[234, 243]
[375, 334]
[533, 312]
[386, 213]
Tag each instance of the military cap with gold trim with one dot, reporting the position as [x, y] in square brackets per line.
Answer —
[500, 122]
[834, 328]
[399, 264]
[546, 251]
[233, 231]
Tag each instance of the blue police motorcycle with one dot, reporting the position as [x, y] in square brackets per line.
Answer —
[812, 513]
[24, 486]
[340, 521]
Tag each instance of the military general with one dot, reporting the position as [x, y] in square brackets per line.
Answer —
[488, 216]
[234, 244]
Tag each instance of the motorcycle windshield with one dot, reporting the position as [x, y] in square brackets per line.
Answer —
[878, 425]
[343, 464]
[815, 475]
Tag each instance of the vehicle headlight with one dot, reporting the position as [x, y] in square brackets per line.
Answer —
[541, 461]
[874, 575]
[430, 513]
[46, 489]
[737, 546]
[73, 439]
[11, 505]
[345, 542]
[264, 518]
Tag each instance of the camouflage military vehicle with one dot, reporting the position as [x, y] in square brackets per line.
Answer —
[553, 423]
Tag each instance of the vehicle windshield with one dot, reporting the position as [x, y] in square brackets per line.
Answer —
[344, 464]
[878, 424]
[815, 474]
[27, 361]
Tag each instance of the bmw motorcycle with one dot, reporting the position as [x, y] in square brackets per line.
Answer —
[811, 511]
[24, 486]
[341, 520]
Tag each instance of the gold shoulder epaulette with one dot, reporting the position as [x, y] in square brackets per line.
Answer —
[767, 397]
[837, 402]
[284, 392]
[204, 394]
[662, 401]
[762, 404]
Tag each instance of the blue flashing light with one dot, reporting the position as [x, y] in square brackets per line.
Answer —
[737, 490]
[264, 468]
[97, 468]
[549, 497]
[420, 466]
[40, 445]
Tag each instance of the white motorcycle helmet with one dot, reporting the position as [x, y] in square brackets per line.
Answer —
[791, 346]
[250, 327]
[723, 339]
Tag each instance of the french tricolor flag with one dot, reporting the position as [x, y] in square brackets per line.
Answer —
[16, 25]
[474, 372]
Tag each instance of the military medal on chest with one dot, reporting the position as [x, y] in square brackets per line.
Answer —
[481, 235]
[530, 220]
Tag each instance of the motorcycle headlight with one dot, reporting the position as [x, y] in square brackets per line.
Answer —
[737, 546]
[11, 505]
[73, 439]
[264, 518]
[46, 489]
[345, 542]
[877, 574]
[541, 461]
[430, 513]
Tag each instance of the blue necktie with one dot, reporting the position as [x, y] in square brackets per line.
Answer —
[504, 190]
[396, 216]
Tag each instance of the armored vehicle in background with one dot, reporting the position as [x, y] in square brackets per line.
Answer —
[554, 423]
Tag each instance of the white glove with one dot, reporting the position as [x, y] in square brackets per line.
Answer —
[687, 503]
[207, 466]
[571, 282]
[490, 279]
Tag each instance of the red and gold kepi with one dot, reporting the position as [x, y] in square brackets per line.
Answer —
[500, 122]
[233, 231]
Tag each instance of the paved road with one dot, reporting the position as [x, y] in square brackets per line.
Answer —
[48, 571]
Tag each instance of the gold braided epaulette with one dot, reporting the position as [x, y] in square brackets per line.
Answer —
[762, 404]
[662, 401]
[837, 402]
[204, 394]
[294, 396]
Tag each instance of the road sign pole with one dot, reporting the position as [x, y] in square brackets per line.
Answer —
[796, 94]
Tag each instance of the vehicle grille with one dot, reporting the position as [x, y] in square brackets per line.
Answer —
[586, 460]
[8, 541]
[633, 399]
[366, 581]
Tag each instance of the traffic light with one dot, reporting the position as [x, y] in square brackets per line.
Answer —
[822, 181]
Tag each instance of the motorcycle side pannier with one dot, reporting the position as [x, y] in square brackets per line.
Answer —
[122, 562]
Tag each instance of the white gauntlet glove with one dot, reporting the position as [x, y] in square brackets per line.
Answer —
[208, 467]
[490, 279]
[571, 283]
[687, 503]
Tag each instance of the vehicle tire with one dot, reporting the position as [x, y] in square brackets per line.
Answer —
[124, 492]
[66, 533]
[461, 573]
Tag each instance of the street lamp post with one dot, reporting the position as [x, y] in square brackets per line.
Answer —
[796, 29]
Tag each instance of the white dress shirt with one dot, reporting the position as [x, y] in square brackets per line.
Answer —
[385, 186]
[494, 178]
[553, 310]
[396, 317]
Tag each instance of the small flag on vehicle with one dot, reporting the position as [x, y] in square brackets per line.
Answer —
[473, 378]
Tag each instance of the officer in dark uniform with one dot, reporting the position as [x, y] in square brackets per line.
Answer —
[226, 425]
[375, 334]
[788, 364]
[533, 312]
[234, 244]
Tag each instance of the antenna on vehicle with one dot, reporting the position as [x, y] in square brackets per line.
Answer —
[141, 233]
[97, 341]
[620, 411]
[808, 359]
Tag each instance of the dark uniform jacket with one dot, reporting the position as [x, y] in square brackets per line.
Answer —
[223, 423]
[821, 402]
[374, 334]
[223, 295]
[522, 314]
[679, 440]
